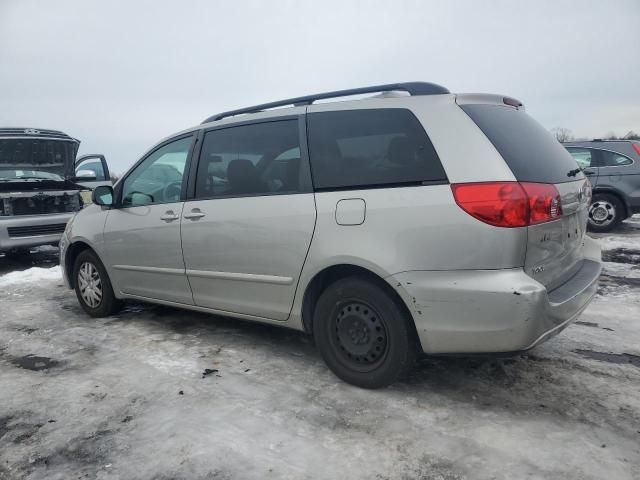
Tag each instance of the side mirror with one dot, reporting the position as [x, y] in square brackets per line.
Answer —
[85, 175]
[102, 195]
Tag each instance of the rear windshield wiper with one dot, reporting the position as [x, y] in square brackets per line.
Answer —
[574, 172]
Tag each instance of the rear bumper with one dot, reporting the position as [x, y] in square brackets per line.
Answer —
[31, 230]
[490, 311]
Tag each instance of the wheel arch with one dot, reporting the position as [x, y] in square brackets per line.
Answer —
[71, 254]
[330, 274]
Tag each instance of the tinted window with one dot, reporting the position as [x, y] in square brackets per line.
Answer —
[257, 159]
[612, 159]
[158, 179]
[531, 152]
[358, 148]
[583, 156]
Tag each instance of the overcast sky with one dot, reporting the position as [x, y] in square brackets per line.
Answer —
[121, 75]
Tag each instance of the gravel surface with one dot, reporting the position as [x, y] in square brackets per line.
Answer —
[157, 393]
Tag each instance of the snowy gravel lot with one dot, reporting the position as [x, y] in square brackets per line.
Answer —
[157, 393]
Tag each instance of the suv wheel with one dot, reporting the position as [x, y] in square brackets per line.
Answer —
[92, 286]
[605, 212]
[362, 333]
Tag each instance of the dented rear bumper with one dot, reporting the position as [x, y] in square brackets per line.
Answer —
[490, 311]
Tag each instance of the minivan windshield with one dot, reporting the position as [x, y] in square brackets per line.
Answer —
[530, 151]
[36, 159]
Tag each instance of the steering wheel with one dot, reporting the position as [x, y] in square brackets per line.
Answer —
[172, 191]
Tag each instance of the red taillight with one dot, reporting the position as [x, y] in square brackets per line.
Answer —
[636, 147]
[509, 204]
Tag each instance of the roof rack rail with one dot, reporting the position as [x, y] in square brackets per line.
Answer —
[412, 88]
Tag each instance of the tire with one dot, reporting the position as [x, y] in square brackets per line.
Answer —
[97, 299]
[363, 335]
[606, 212]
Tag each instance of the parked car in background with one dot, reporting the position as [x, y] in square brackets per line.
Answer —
[412, 221]
[613, 166]
[41, 185]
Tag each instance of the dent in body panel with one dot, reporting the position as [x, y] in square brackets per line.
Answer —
[407, 228]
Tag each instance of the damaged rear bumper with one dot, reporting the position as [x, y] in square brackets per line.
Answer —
[490, 311]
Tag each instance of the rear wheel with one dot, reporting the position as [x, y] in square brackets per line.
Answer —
[93, 287]
[362, 333]
[605, 212]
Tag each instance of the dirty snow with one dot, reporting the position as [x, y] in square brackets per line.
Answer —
[127, 397]
[32, 275]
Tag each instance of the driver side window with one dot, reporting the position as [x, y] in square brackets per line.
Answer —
[158, 179]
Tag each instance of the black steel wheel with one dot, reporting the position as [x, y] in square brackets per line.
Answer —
[363, 333]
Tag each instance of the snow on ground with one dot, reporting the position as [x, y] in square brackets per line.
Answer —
[32, 275]
[130, 397]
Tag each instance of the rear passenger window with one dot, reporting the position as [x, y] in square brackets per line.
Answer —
[530, 151]
[365, 148]
[256, 159]
[612, 159]
[583, 156]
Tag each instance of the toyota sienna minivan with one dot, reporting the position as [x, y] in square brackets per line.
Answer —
[410, 221]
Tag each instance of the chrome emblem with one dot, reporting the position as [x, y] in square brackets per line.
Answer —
[539, 269]
[31, 131]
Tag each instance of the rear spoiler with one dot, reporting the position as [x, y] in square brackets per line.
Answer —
[488, 99]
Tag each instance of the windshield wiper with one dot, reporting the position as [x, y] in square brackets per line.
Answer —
[574, 172]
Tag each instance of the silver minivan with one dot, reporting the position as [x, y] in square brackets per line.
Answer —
[413, 220]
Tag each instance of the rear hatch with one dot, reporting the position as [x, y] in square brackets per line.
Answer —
[554, 248]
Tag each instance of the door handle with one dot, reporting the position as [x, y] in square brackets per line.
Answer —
[194, 215]
[169, 216]
[588, 173]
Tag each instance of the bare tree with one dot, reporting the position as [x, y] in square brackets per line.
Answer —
[631, 136]
[562, 134]
[610, 136]
[114, 177]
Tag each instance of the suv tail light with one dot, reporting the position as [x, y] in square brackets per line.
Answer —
[509, 204]
[636, 147]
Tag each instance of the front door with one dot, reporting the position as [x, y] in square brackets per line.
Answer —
[93, 166]
[142, 233]
[246, 233]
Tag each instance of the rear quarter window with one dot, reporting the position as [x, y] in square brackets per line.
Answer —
[370, 148]
[530, 151]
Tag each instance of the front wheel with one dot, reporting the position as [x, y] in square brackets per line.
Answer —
[92, 286]
[362, 333]
[605, 212]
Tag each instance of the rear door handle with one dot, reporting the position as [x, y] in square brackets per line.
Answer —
[169, 216]
[589, 173]
[194, 215]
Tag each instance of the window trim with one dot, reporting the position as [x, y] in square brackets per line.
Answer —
[373, 186]
[118, 190]
[599, 159]
[305, 168]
